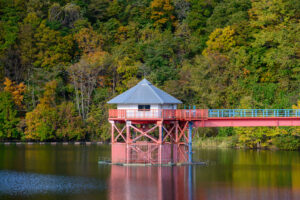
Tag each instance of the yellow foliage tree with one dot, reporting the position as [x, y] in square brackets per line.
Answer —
[48, 98]
[127, 68]
[162, 13]
[16, 90]
[88, 40]
[41, 122]
[220, 40]
[52, 48]
[49, 121]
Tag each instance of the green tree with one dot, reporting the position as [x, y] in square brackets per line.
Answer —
[69, 124]
[53, 49]
[8, 117]
[227, 13]
[200, 11]
[97, 10]
[27, 40]
[11, 14]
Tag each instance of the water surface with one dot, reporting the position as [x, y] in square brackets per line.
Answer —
[72, 172]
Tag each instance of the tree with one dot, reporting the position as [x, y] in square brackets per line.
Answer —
[10, 16]
[258, 137]
[39, 7]
[27, 40]
[49, 121]
[17, 91]
[53, 49]
[162, 13]
[66, 15]
[273, 50]
[182, 8]
[69, 124]
[220, 41]
[84, 76]
[228, 13]
[159, 56]
[200, 11]
[8, 117]
[41, 123]
[97, 10]
[97, 125]
[88, 40]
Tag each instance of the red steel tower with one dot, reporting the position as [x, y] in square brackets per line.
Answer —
[146, 127]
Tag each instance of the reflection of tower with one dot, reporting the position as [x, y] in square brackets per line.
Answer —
[148, 128]
[162, 183]
[190, 184]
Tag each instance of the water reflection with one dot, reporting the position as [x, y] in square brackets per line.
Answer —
[72, 172]
[150, 183]
[185, 182]
[18, 183]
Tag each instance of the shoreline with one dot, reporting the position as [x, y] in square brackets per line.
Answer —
[53, 143]
[230, 142]
[207, 143]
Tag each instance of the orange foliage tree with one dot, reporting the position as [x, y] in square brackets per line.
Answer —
[16, 90]
[162, 13]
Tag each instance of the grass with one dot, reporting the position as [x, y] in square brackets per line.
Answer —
[215, 142]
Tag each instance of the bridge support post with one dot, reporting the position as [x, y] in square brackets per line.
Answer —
[128, 141]
[190, 142]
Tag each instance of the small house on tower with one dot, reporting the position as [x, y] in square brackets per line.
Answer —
[144, 101]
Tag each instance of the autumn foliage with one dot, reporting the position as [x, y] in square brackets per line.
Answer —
[65, 59]
[16, 90]
[162, 13]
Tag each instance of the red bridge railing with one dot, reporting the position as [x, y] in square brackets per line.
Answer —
[158, 114]
[200, 114]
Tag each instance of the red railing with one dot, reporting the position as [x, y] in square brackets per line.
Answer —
[190, 114]
[158, 114]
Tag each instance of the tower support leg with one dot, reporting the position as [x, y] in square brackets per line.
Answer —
[112, 131]
[160, 139]
[128, 141]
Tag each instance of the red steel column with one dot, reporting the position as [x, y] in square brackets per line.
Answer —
[128, 141]
[112, 131]
[175, 144]
[160, 138]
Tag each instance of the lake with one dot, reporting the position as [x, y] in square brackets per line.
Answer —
[44, 171]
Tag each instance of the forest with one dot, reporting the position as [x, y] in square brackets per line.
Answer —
[62, 60]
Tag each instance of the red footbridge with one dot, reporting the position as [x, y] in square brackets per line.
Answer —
[212, 117]
[161, 136]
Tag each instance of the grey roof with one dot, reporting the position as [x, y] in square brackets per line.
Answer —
[144, 93]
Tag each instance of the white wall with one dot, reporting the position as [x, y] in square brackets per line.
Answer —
[127, 106]
[152, 106]
[169, 106]
[154, 112]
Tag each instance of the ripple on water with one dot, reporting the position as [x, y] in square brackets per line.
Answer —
[21, 183]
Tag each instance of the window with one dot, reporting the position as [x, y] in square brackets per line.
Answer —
[144, 107]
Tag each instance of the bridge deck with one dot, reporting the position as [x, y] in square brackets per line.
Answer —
[213, 117]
